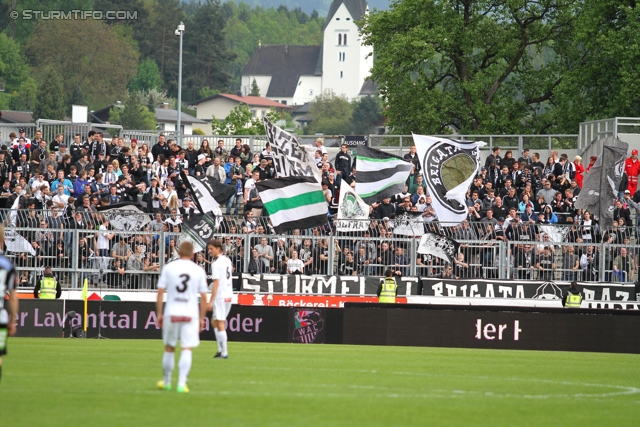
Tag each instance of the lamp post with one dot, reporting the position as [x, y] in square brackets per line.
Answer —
[179, 32]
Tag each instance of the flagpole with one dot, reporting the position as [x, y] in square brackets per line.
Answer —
[84, 297]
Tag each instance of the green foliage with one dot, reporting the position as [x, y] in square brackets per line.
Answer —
[209, 58]
[367, 114]
[197, 131]
[471, 65]
[89, 54]
[22, 29]
[50, 102]
[331, 115]
[147, 76]
[13, 69]
[601, 79]
[25, 97]
[255, 90]
[241, 121]
[158, 41]
[206, 92]
[133, 116]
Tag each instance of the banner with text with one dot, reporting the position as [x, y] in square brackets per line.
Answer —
[323, 285]
[530, 289]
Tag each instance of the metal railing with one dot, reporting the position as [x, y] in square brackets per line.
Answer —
[133, 258]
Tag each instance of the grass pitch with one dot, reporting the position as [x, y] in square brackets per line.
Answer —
[63, 382]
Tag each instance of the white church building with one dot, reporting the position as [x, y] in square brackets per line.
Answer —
[295, 75]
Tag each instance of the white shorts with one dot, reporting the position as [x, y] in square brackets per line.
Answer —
[188, 333]
[221, 308]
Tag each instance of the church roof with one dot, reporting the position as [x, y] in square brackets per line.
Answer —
[296, 61]
[356, 8]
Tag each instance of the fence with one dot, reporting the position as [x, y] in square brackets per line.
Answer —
[134, 258]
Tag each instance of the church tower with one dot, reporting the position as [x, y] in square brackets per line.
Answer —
[345, 61]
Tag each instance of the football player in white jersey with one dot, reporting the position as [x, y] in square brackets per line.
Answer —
[182, 319]
[221, 294]
[7, 286]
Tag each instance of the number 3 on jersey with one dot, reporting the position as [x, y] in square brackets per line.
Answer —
[183, 287]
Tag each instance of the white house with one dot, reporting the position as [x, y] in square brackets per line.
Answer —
[167, 119]
[220, 105]
[294, 75]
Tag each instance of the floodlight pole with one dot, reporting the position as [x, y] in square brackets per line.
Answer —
[179, 32]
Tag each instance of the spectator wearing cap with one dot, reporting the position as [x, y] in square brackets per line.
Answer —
[199, 169]
[632, 168]
[187, 209]
[134, 147]
[22, 134]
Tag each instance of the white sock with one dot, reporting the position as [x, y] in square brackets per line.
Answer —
[223, 342]
[168, 362]
[184, 366]
[218, 339]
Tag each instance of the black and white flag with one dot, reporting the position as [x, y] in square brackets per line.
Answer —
[409, 224]
[198, 229]
[448, 168]
[290, 158]
[125, 216]
[439, 246]
[17, 243]
[208, 194]
[600, 185]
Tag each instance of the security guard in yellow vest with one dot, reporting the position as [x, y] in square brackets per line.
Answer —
[573, 298]
[48, 287]
[388, 289]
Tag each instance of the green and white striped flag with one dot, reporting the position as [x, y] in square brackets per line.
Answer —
[379, 175]
[293, 202]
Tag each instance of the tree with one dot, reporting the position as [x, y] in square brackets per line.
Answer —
[367, 114]
[209, 58]
[157, 40]
[13, 69]
[241, 121]
[331, 115]
[147, 76]
[50, 102]
[152, 98]
[25, 97]
[133, 116]
[255, 90]
[89, 54]
[206, 92]
[601, 77]
[473, 65]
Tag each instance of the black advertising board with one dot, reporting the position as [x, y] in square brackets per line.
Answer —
[616, 331]
[297, 284]
[120, 319]
[525, 289]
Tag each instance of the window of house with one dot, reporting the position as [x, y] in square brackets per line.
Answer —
[340, 74]
[339, 39]
[344, 39]
[253, 113]
[341, 56]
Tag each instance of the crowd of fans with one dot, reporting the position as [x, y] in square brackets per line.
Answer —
[63, 187]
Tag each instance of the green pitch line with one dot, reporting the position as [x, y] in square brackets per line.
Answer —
[58, 382]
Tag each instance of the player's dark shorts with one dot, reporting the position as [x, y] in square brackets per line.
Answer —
[4, 336]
